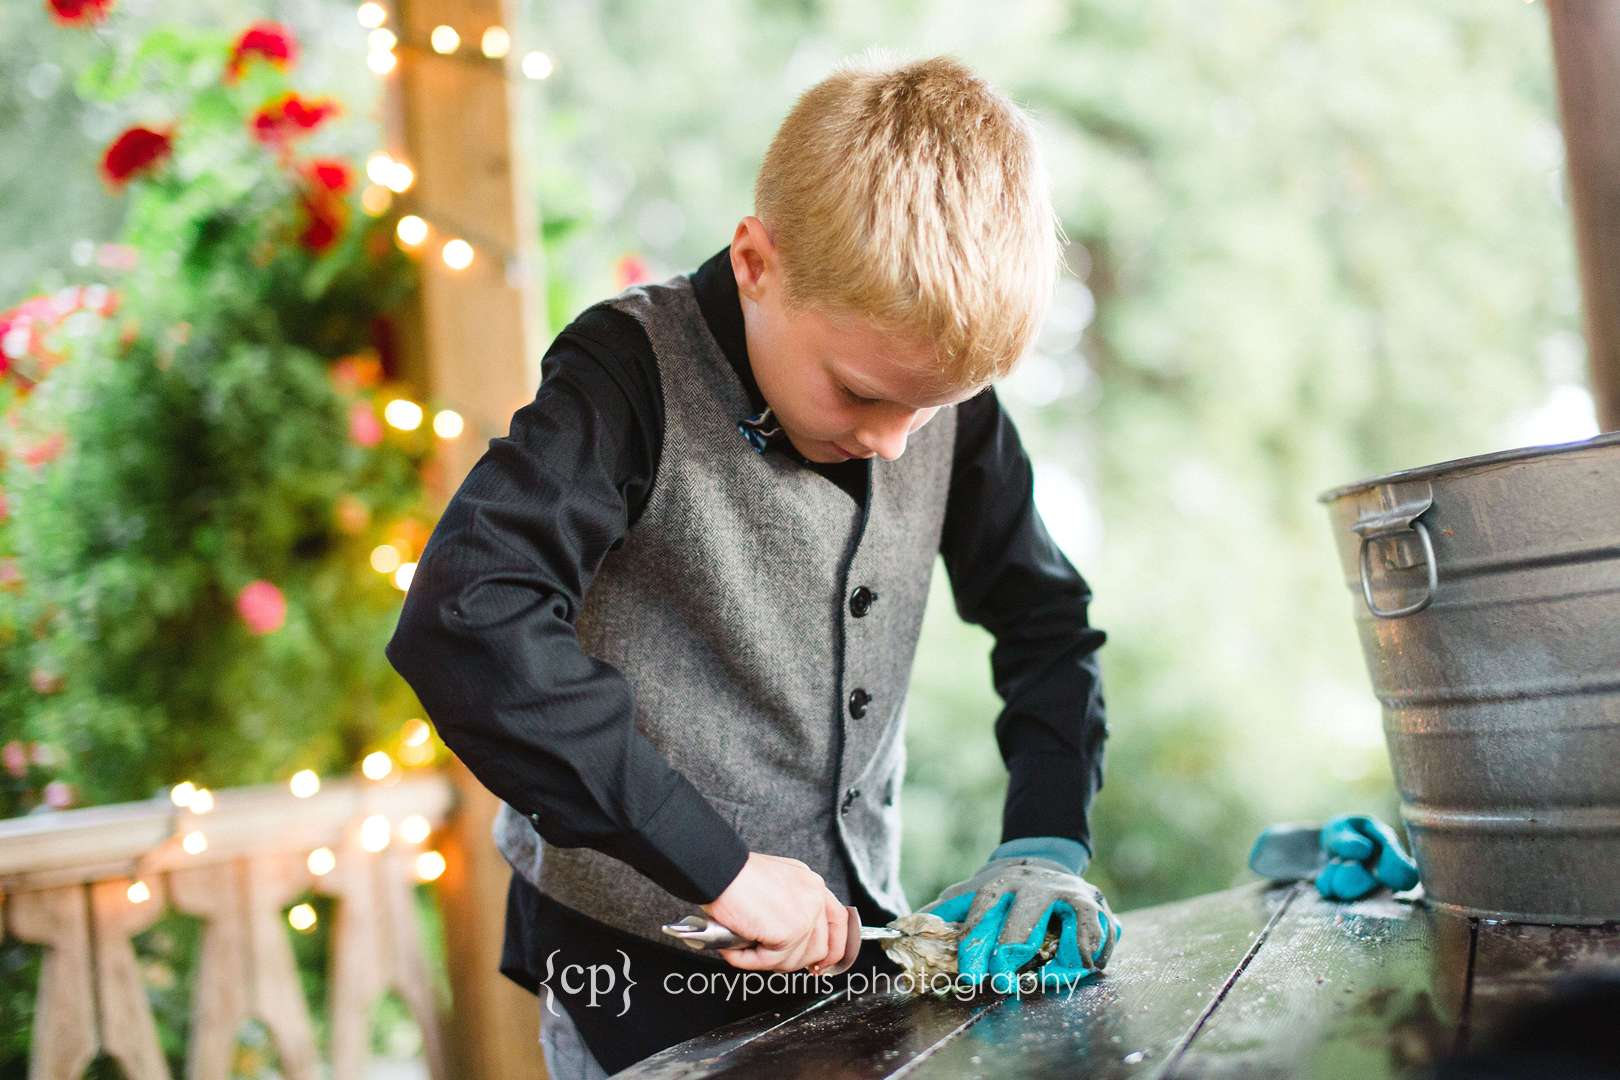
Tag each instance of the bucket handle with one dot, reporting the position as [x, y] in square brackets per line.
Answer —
[1396, 515]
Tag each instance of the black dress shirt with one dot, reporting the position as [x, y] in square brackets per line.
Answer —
[549, 730]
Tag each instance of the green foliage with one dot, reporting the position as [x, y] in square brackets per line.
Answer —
[220, 429]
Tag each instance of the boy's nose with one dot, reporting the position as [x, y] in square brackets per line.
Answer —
[886, 436]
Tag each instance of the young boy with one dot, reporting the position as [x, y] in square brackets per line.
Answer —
[670, 618]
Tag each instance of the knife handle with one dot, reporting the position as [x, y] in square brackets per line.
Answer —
[703, 933]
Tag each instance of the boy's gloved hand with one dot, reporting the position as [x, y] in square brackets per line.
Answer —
[1006, 906]
[1349, 857]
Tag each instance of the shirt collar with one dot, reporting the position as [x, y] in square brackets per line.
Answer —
[715, 286]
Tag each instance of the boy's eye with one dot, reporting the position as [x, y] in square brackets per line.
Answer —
[853, 396]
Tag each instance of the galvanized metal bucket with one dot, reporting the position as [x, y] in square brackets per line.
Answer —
[1487, 597]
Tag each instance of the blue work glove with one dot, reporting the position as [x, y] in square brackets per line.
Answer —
[1007, 905]
[1349, 857]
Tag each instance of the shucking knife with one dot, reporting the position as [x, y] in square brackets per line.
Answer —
[704, 934]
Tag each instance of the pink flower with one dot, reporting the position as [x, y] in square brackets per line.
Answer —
[44, 451]
[10, 576]
[58, 796]
[15, 756]
[44, 681]
[262, 607]
[116, 256]
[5, 510]
[364, 427]
[630, 270]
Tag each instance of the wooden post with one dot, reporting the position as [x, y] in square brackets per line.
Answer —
[476, 343]
[1586, 50]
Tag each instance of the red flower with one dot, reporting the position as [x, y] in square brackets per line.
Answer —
[133, 152]
[270, 41]
[289, 116]
[324, 221]
[330, 174]
[78, 12]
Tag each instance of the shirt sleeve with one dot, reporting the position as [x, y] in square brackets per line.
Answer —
[1008, 576]
[486, 637]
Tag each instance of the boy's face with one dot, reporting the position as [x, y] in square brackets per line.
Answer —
[839, 386]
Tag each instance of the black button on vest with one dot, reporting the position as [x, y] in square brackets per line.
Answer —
[859, 699]
[849, 799]
[861, 600]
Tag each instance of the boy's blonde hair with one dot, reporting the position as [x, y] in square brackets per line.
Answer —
[914, 194]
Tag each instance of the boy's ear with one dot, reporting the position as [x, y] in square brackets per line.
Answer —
[753, 257]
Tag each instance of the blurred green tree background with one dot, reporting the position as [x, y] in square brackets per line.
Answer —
[1309, 242]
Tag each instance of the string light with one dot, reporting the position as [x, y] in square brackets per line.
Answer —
[377, 765]
[202, 801]
[411, 230]
[138, 892]
[385, 558]
[194, 843]
[376, 199]
[182, 792]
[400, 179]
[381, 63]
[321, 861]
[381, 40]
[304, 783]
[457, 254]
[414, 829]
[444, 39]
[429, 866]
[371, 14]
[302, 917]
[537, 65]
[496, 42]
[447, 424]
[402, 576]
[416, 732]
[375, 833]
[402, 414]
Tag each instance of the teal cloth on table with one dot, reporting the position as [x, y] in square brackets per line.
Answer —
[1349, 857]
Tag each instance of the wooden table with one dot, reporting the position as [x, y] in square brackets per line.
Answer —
[1256, 981]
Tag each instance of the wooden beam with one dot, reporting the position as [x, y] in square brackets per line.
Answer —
[1586, 50]
[476, 338]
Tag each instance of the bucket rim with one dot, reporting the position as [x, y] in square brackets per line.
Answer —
[1498, 457]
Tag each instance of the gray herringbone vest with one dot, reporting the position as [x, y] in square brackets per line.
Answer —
[726, 608]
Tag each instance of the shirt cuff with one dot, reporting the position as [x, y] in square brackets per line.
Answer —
[1049, 795]
[686, 847]
[1072, 854]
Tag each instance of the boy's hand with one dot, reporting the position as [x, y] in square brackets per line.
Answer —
[1007, 906]
[786, 907]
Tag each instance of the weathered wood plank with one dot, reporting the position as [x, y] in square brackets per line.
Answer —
[1170, 964]
[246, 968]
[81, 846]
[1366, 989]
[128, 1032]
[64, 1038]
[375, 948]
